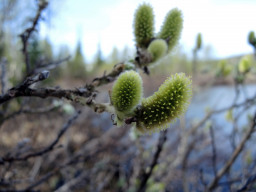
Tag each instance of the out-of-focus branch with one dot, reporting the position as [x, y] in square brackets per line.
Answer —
[250, 181]
[27, 33]
[233, 157]
[50, 65]
[23, 89]
[87, 91]
[146, 175]
[107, 140]
[214, 154]
[49, 147]
[105, 79]
[201, 177]
[29, 111]
[73, 182]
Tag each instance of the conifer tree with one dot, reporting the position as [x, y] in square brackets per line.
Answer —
[77, 66]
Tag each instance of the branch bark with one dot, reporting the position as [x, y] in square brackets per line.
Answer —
[27, 33]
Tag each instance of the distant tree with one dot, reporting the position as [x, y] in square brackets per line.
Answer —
[99, 61]
[47, 48]
[34, 52]
[76, 67]
[114, 56]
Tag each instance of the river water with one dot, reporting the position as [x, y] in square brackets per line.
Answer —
[219, 97]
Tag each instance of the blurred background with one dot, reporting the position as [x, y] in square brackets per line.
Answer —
[215, 49]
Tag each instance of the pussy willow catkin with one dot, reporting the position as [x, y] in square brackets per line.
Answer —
[165, 105]
[126, 93]
[157, 49]
[143, 25]
[172, 27]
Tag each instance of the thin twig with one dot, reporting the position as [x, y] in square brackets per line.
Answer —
[118, 68]
[23, 88]
[146, 175]
[214, 154]
[201, 177]
[50, 65]
[251, 180]
[29, 111]
[87, 91]
[27, 33]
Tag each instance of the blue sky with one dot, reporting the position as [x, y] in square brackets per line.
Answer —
[224, 24]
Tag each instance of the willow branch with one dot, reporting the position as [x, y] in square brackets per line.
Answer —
[146, 175]
[27, 33]
[250, 181]
[29, 111]
[50, 65]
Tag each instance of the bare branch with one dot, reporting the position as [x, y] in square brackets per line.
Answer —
[27, 33]
[118, 68]
[28, 111]
[214, 154]
[50, 65]
[146, 175]
[250, 181]
[23, 89]
[201, 177]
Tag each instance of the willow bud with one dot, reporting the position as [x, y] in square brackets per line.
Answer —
[157, 48]
[126, 94]
[244, 65]
[223, 69]
[165, 105]
[143, 25]
[171, 28]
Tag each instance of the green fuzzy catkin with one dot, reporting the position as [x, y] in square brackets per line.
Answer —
[223, 69]
[165, 105]
[144, 25]
[157, 48]
[171, 28]
[245, 64]
[126, 93]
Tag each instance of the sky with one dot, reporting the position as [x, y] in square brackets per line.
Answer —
[224, 24]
